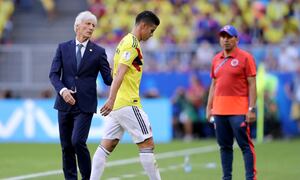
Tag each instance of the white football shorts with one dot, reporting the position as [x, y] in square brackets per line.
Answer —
[130, 118]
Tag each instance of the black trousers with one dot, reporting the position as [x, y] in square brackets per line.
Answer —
[229, 127]
[74, 128]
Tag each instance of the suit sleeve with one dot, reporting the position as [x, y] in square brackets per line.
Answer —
[56, 71]
[105, 69]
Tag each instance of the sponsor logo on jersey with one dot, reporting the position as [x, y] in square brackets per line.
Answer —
[234, 62]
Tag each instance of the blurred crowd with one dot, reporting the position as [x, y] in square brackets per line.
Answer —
[188, 111]
[187, 38]
[185, 21]
[267, 28]
[195, 21]
[6, 10]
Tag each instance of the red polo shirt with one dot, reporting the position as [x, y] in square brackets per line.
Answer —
[231, 88]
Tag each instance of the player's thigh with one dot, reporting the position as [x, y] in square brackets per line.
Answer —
[223, 130]
[112, 129]
[136, 122]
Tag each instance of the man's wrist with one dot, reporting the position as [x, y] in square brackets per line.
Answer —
[252, 109]
[62, 90]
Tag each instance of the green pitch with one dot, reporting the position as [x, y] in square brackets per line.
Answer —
[276, 160]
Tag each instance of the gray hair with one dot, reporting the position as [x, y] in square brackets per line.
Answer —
[85, 15]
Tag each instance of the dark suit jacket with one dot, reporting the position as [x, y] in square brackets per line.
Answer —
[64, 73]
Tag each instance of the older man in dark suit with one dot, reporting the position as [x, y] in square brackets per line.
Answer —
[73, 74]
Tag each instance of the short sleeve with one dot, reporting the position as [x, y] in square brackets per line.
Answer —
[250, 66]
[128, 55]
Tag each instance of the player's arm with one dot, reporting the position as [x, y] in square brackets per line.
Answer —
[251, 115]
[210, 99]
[117, 81]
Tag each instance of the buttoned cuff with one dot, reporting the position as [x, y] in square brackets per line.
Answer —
[62, 90]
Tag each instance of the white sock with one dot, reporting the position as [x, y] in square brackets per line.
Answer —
[149, 164]
[99, 161]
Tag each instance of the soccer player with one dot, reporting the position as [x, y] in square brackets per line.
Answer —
[123, 107]
[231, 101]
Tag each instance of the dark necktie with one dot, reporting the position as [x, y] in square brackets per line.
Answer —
[78, 55]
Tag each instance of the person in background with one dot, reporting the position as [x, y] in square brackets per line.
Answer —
[184, 115]
[6, 94]
[293, 92]
[232, 100]
[73, 74]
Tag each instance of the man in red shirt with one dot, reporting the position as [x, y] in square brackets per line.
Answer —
[231, 101]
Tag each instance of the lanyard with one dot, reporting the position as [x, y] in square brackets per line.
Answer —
[220, 65]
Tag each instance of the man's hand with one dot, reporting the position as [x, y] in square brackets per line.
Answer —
[208, 114]
[250, 117]
[67, 96]
[107, 108]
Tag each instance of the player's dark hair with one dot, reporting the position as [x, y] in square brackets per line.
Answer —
[148, 17]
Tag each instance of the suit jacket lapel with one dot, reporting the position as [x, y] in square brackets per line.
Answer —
[88, 51]
[72, 48]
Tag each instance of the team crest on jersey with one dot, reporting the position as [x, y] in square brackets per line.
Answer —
[126, 55]
[234, 62]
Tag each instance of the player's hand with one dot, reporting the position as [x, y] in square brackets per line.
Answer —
[107, 108]
[250, 117]
[67, 96]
